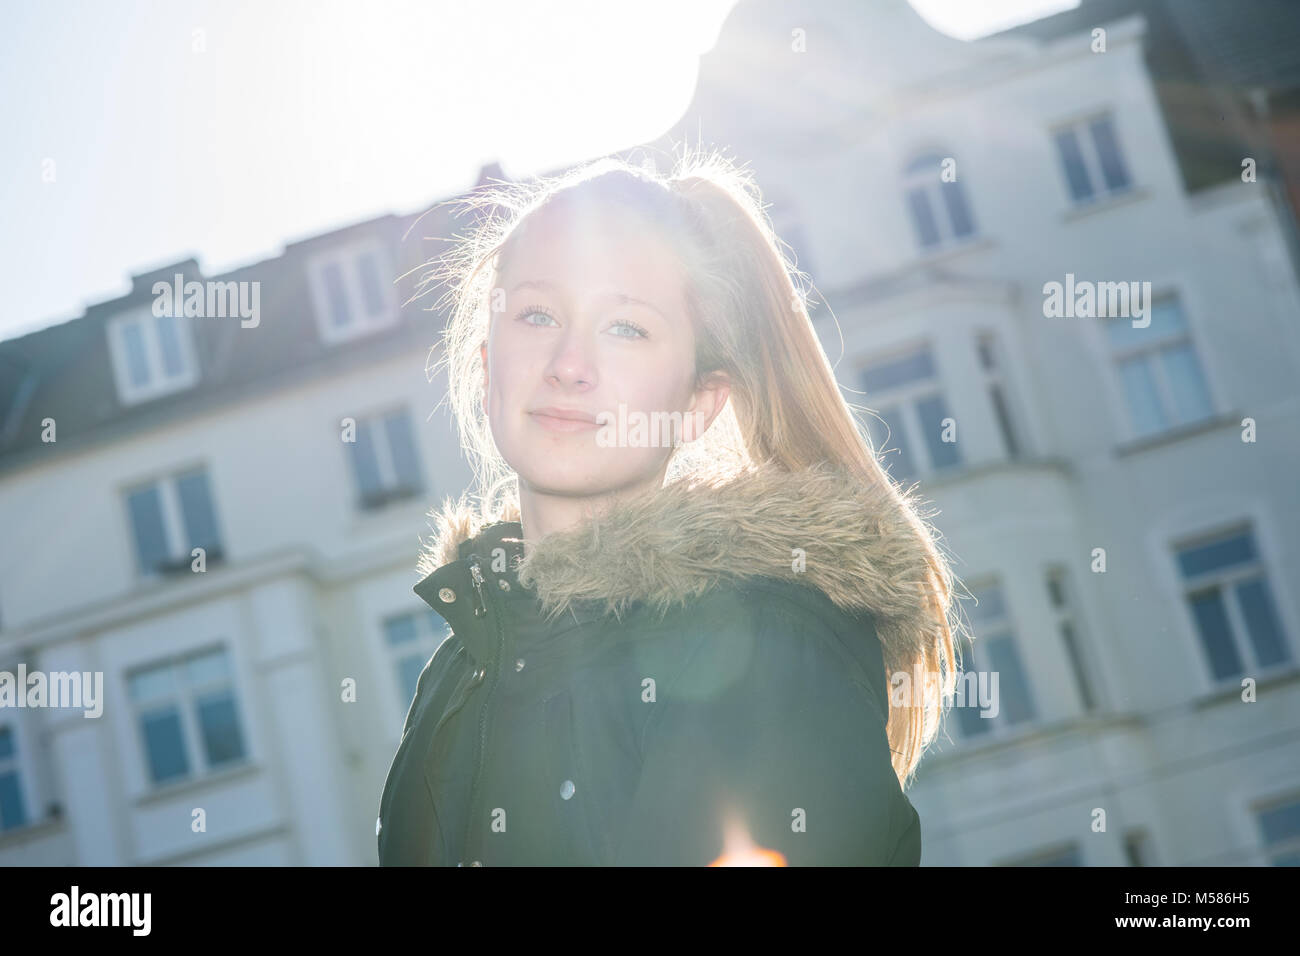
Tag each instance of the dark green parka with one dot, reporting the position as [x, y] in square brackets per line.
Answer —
[694, 670]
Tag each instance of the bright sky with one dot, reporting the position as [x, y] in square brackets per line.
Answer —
[136, 133]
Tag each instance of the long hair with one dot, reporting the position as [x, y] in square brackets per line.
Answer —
[751, 321]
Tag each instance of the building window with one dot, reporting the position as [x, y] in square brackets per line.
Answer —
[1064, 611]
[188, 715]
[1159, 371]
[411, 640]
[351, 290]
[384, 460]
[909, 427]
[995, 387]
[1137, 848]
[13, 809]
[1227, 591]
[1059, 856]
[170, 518]
[939, 210]
[152, 355]
[1091, 159]
[1280, 828]
[993, 651]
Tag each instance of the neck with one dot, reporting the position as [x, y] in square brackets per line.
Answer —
[543, 512]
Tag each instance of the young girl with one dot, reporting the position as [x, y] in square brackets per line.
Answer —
[679, 610]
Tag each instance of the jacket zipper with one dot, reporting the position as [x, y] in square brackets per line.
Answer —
[476, 575]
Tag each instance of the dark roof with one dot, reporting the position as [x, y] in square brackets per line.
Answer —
[1241, 43]
[1204, 56]
[65, 371]
[1246, 43]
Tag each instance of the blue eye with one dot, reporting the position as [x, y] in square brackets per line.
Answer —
[530, 312]
[640, 332]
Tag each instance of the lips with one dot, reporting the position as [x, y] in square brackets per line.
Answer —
[564, 419]
[566, 414]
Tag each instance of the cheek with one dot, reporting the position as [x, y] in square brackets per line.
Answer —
[650, 387]
[511, 362]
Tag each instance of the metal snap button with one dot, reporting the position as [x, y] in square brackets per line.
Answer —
[478, 674]
[476, 863]
[519, 664]
[446, 595]
[505, 585]
[566, 789]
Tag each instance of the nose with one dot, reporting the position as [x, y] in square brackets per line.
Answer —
[573, 361]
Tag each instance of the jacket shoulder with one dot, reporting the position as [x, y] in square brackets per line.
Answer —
[768, 718]
[779, 620]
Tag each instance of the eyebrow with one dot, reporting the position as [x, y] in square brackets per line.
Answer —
[622, 298]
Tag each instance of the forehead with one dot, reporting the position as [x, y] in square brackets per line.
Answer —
[586, 249]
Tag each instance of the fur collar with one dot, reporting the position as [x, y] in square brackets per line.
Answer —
[865, 548]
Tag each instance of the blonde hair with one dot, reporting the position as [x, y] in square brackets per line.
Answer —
[751, 321]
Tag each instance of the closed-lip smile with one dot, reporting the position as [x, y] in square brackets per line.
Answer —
[571, 414]
[563, 419]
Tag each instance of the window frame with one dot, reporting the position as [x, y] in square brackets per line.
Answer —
[185, 697]
[1139, 847]
[1168, 284]
[997, 377]
[914, 178]
[391, 490]
[159, 383]
[972, 652]
[1084, 664]
[1273, 784]
[905, 398]
[347, 257]
[1289, 846]
[1151, 352]
[1198, 516]
[1081, 125]
[1047, 856]
[17, 764]
[1223, 579]
[175, 528]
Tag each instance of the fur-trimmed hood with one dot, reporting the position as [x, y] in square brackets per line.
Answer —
[864, 547]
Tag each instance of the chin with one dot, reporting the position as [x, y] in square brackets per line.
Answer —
[575, 475]
[579, 475]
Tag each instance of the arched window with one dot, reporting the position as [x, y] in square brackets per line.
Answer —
[936, 201]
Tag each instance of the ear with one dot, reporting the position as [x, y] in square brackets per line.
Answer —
[707, 402]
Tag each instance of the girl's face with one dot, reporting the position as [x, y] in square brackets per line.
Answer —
[590, 315]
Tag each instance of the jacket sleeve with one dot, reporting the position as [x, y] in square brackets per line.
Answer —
[770, 730]
[435, 669]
